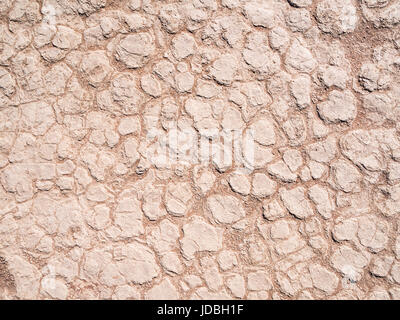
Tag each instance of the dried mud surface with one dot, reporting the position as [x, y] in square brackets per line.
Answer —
[289, 188]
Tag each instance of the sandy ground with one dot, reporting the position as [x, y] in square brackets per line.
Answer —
[200, 149]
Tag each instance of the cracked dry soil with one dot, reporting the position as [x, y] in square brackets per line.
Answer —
[92, 92]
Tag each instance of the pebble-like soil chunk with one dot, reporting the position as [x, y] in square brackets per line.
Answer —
[225, 209]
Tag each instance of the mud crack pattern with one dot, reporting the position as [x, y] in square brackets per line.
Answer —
[102, 196]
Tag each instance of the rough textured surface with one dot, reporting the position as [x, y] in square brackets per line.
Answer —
[200, 149]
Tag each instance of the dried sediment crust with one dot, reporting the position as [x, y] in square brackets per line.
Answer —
[200, 149]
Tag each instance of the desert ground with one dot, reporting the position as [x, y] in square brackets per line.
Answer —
[200, 149]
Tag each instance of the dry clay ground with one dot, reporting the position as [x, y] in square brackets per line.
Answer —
[305, 205]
